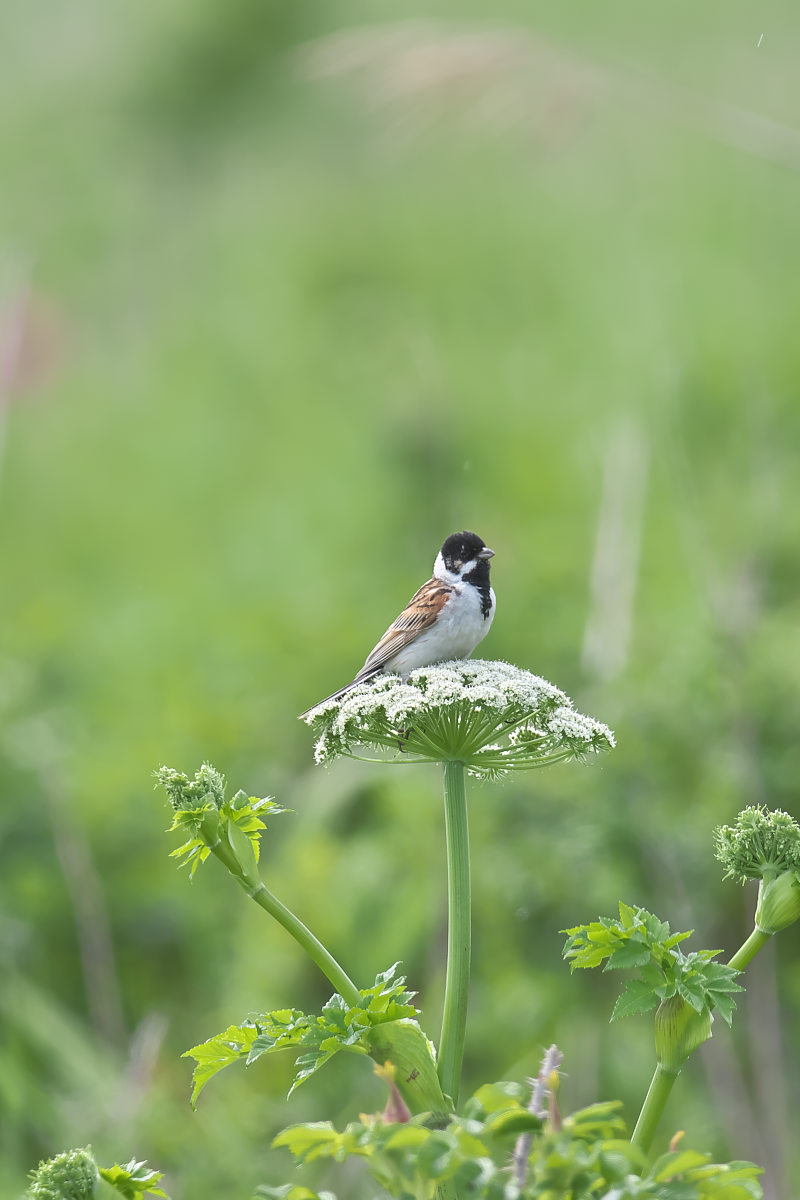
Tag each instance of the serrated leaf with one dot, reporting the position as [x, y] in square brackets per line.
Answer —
[676, 938]
[388, 999]
[219, 1052]
[658, 931]
[653, 975]
[193, 854]
[722, 977]
[628, 915]
[377, 1025]
[693, 991]
[639, 940]
[636, 997]
[278, 1030]
[629, 956]
[133, 1180]
[725, 1005]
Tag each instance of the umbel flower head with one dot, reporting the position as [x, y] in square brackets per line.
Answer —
[492, 716]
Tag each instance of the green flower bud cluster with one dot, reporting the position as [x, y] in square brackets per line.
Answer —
[206, 789]
[764, 844]
[70, 1176]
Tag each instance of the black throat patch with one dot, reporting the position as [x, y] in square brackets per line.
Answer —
[479, 578]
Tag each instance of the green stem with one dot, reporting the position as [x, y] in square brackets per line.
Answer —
[456, 992]
[663, 1080]
[657, 1096]
[750, 948]
[292, 924]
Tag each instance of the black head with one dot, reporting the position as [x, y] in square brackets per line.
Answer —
[466, 555]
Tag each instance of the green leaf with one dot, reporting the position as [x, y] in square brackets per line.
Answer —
[309, 1139]
[319, 1139]
[199, 822]
[377, 1025]
[601, 1120]
[407, 1136]
[133, 1180]
[512, 1123]
[640, 941]
[496, 1097]
[245, 814]
[722, 977]
[628, 916]
[637, 997]
[676, 1162]
[725, 1006]
[634, 954]
[219, 1052]
[693, 991]
[388, 997]
[658, 931]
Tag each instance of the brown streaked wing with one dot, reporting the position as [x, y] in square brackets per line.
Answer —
[419, 614]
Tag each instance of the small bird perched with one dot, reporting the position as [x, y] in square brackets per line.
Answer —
[445, 619]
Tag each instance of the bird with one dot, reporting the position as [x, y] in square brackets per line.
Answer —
[445, 619]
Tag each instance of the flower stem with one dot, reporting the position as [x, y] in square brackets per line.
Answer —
[293, 925]
[653, 1107]
[456, 992]
[663, 1080]
[750, 948]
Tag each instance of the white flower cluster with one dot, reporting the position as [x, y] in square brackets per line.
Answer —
[491, 715]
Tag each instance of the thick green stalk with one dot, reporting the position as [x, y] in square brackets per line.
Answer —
[663, 1080]
[456, 992]
[750, 948]
[653, 1107]
[292, 924]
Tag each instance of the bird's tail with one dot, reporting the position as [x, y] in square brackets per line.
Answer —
[361, 677]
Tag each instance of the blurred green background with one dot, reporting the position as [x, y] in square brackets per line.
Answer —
[287, 294]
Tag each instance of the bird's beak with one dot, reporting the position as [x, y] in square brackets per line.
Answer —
[486, 553]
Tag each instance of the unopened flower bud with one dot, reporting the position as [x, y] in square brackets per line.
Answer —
[778, 902]
[679, 1030]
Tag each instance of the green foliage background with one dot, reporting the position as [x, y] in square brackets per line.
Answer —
[294, 309]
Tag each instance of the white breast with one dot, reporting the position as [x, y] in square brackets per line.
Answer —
[458, 629]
